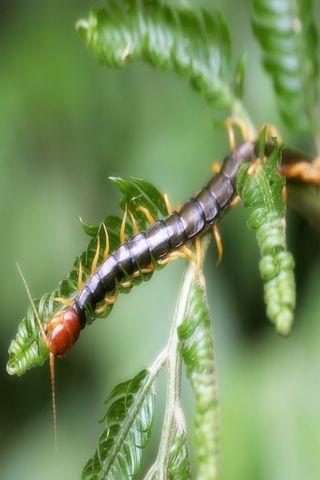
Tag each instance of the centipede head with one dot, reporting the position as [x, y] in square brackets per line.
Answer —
[69, 324]
[62, 331]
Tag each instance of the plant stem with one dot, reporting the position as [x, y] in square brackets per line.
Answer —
[174, 361]
[174, 421]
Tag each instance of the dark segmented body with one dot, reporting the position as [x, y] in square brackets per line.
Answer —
[195, 217]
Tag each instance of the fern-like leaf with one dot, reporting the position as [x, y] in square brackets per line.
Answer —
[198, 354]
[27, 349]
[194, 45]
[126, 431]
[287, 34]
[261, 190]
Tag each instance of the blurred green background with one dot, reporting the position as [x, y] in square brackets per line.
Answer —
[66, 125]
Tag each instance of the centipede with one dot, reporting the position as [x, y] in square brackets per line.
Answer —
[162, 241]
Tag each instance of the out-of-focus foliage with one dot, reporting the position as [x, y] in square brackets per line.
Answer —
[287, 33]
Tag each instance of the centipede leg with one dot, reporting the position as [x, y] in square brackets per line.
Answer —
[216, 167]
[218, 240]
[198, 256]
[122, 233]
[231, 135]
[167, 202]
[146, 212]
[64, 301]
[108, 300]
[306, 172]
[172, 256]
[101, 310]
[182, 252]
[149, 269]
[80, 274]
[245, 131]
[136, 228]
[107, 247]
[188, 253]
[235, 201]
[96, 257]
[126, 283]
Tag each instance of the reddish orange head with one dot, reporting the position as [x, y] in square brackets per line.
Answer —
[62, 332]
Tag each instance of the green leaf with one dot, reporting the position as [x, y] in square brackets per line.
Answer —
[27, 349]
[261, 190]
[287, 35]
[126, 431]
[194, 45]
[198, 354]
[139, 193]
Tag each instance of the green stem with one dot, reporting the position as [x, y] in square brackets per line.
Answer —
[174, 362]
[174, 421]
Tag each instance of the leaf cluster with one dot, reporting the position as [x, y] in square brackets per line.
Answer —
[260, 187]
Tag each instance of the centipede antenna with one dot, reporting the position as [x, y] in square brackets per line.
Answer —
[53, 396]
[34, 308]
[52, 370]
